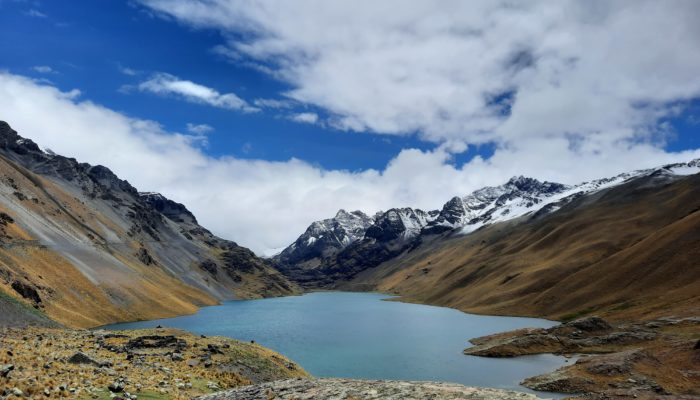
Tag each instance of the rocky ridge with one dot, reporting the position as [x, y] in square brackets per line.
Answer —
[325, 238]
[307, 389]
[86, 248]
[398, 230]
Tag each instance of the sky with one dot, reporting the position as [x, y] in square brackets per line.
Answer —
[263, 116]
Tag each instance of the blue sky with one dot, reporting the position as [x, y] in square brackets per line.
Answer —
[88, 44]
[380, 104]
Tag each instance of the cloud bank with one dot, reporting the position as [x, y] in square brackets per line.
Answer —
[479, 71]
[264, 205]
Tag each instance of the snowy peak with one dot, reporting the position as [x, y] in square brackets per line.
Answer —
[326, 237]
[493, 203]
[405, 223]
[397, 227]
[521, 196]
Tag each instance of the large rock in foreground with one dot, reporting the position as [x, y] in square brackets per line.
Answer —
[319, 389]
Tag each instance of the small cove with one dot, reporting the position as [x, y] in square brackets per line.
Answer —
[358, 335]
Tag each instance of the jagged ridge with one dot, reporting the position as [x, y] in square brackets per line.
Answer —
[401, 229]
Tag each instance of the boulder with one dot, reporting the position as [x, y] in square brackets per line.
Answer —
[590, 324]
[84, 359]
[6, 369]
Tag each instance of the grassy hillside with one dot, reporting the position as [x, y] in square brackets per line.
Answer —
[628, 252]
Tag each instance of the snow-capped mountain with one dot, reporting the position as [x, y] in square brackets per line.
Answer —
[323, 238]
[518, 197]
[490, 204]
[404, 223]
[522, 196]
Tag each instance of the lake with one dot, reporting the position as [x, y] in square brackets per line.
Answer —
[358, 335]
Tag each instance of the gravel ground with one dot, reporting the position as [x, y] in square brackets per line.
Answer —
[348, 389]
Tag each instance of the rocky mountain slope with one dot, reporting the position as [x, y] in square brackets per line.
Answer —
[627, 252]
[86, 248]
[325, 238]
[538, 248]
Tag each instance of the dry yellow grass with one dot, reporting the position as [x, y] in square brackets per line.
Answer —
[633, 252]
[40, 360]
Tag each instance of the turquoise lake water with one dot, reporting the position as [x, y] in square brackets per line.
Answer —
[358, 335]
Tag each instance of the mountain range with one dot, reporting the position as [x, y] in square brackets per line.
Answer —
[515, 236]
[85, 248]
[81, 247]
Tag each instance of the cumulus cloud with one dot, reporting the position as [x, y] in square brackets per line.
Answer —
[169, 85]
[265, 204]
[593, 72]
[305, 117]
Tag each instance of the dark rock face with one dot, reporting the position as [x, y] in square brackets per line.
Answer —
[398, 223]
[27, 291]
[5, 219]
[145, 257]
[590, 324]
[209, 266]
[172, 210]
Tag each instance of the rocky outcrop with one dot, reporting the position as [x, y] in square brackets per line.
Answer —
[326, 389]
[590, 335]
[645, 359]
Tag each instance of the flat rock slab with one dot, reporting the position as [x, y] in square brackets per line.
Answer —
[349, 389]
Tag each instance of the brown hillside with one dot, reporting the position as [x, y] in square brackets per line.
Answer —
[85, 248]
[628, 252]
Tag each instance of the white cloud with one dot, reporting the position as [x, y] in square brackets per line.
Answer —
[273, 103]
[264, 204]
[43, 69]
[595, 72]
[199, 129]
[169, 85]
[304, 118]
[128, 71]
[36, 13]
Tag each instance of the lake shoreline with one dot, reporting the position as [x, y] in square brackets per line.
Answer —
[459, 338]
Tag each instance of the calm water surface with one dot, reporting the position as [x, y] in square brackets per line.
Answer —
[357, 335]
